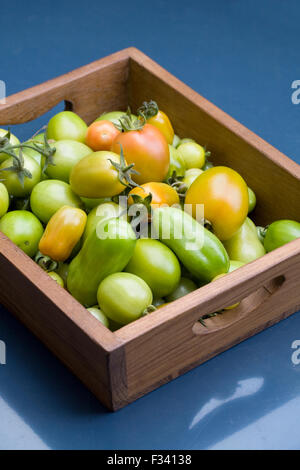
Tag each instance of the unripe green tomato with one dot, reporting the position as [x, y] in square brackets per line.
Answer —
[4, 200]
[97, 313]
[13, 141]
[176, 141]
[67, 154]
[252, 199]
[177, 163]
[56, 277]
[11, 180]
[90, 203]
[124, 297]
[62, 271]
[107, 210]
[184, 287]
[157, 265]
[49, 196]
[184, 141]
[193, 154]
[235, 265]
[36, 140]
[66, 125]
[113, 116]
[24, 229]
[281, 232]
[190, 176]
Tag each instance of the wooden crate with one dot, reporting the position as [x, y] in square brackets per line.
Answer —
[118, 367]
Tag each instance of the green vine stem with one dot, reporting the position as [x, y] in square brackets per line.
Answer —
[148, 109]
[125, 171]
[45, 262]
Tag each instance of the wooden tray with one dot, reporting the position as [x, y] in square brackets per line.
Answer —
[119, 367]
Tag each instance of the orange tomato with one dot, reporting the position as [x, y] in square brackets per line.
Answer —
[224, 194]
[148, 149]
[100, 135]
[162, 194]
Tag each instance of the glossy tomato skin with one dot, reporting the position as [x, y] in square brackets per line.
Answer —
[113, 116]
[95, 177]
[252, 200]
[192, 153]
[281, 232]
[4, 200]
[177, 163]
[13, 141]
[24, 229]
[148, 150]
[163, 123]
[190, 175]
[56, 277]
[11, 180]
[224, 194]
[245, 245]
[67, 154]
[97, 313]
[162, 194]
[67, 125]
[50, 195]
[157, 265]
[106, 210]
[123, 297]
[101, 134]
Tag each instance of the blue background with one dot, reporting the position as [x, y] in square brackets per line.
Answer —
[243, 56]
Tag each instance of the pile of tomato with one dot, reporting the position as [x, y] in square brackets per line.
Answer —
[126, 215]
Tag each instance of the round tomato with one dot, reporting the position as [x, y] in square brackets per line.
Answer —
[157, 265]
[252, 200]
[95, 176]
[97, 313]
[66, 125]
[49, 196]
[67, 154]
[13, 140]
[4, 200]
[18, 169]
[184, 287]
[56, 277]
[24, 229]
[113, 116]
[224, 194]
[177, 163]
[162, 194]
[101, 134]
[280, 232]
[176, 141]
[124, 297]
[192, 153]
[190, 176]
[148, 149]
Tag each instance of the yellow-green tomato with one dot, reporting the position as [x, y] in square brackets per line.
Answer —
[176, 141]
[90, 203]
[252, 200]
[49, 196]
[97, 313]
[177, 163]
[185, 140]
[235, 265]
[67, 125]
[113, 116]
[56, 277]
[245, 245]
[107, 210]
[156, 264]
[11, 180]
[190, 176]
[193, 154]
[13, 141]
[24, 229]
[67, 154]
[124, 297]
[4, 200]
[184, 287]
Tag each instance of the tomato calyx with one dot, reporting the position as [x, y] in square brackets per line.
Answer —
[151, 308]
[125, 171]
[176, 182]
[128, 122]
[148, 109]
[45, 262]
[18, 167]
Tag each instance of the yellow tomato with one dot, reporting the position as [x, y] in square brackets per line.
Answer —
[224, 195]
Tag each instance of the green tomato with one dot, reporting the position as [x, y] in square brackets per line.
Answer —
[49, 196]
[112, 116]
[4, 200]
[193, 154]
[56, 277]
[107, 210]
[62, 271]
[157, 265]
[176, 141]
[97, 313]
[67, 125]
[38, 139]
[11, 180]
[177, 163]
[124, 297]
[235, 265]
[13, 140]
[184, 287]
[24, 229]
[190, 176]
[281, 232]
[67, 154]
[252, 200]
[90, 203]
[184, 141]
[245, 245]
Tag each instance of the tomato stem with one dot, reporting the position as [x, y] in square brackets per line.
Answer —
[148, 109]
[45, 262]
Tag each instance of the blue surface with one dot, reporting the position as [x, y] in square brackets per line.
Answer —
[243, 56]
